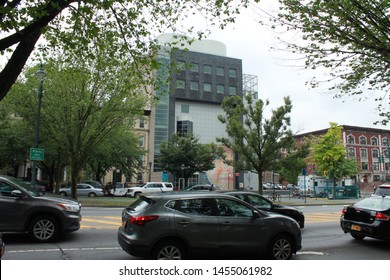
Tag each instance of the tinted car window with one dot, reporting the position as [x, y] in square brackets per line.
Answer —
[140, 204]
[202, 207]
[227, 207]
[381, 190]
[255, 201]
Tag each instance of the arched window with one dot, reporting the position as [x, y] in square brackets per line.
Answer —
[374, 141]
[351, 139]
[363, 140]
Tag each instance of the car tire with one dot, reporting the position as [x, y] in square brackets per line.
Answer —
[280, 248]
[63, 194]
[169, 250]
[92, 194]
[44, 228]
[137, 194]
[357, 236]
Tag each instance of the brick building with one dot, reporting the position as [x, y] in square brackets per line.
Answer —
[370, 148]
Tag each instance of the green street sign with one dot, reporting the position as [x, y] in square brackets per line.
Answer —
[37, 154]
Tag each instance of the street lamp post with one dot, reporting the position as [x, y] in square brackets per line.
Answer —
[182, 175]
[150, 171]
[41, 76]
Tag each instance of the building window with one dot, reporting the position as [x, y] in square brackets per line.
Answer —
[375, 153]
[207, 87]
[220, 89]
[141, 123]
[185, 108]
[207, 69]
[351, 152]
[232, 73]
[363, 153]
[375, 166]
[139, 177]
[365, 166]
[351, 139]
[184, 128]
[220, 71]
[194, 86]
[181, 65]
[194, 67]
[377, 178]
[363, 140]
[180, 84]
[232, 90]
[385, 142]
[141, 141]
[374, 141]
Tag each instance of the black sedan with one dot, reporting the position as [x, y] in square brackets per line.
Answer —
[262, 203]
[367, 217]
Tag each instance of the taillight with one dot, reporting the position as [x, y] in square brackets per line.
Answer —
[381, 217]
[343, 211]
[142, 220]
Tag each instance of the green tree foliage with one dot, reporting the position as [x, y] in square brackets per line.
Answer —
[186, 151]
[82, 108]
[127, 28]
[350, 38]
[120, 150]
[256, 139]
[328, 154]
[293, 162]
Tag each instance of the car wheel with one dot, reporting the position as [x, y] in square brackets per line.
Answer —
[137, 195]
[92, 194]
[169, 250]
[44, 229]
[280, 248]
[63, 194]
[357, 236]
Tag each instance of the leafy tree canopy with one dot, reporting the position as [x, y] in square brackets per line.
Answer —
[184, 155]
[328, 154]
[126, 29]
[257, 140]
[348, 37]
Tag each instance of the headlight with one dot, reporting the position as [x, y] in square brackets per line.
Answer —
[70, 207]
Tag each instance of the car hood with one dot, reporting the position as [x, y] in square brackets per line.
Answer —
[57, 198]
[279, 206]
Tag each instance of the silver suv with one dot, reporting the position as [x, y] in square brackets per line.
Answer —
[43, 216]
[150, 188]
[182, 225]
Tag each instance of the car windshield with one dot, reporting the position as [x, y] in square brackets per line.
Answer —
[374, 203]
[25, 186]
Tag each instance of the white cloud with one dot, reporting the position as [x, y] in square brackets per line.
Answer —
[313, 109]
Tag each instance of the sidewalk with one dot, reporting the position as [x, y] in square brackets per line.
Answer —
[317, 201]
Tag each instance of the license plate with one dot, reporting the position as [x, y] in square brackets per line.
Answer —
[356, 227]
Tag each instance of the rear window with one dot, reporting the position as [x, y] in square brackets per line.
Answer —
[382, 190]
[374, 203]
[140, 204]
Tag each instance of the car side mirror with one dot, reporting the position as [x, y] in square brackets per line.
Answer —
[17, 193]
[256, 215]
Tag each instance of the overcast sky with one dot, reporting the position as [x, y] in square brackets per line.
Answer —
[313, 109]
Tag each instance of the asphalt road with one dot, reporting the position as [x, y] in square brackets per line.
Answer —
[96, 240]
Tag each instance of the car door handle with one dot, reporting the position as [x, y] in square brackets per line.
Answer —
[184, 223]
[226, 223]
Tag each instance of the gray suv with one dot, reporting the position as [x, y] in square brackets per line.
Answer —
[43, 216]
[181, 225]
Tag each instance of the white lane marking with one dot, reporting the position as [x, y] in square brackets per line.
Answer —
[63, 249]
[310, 253]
